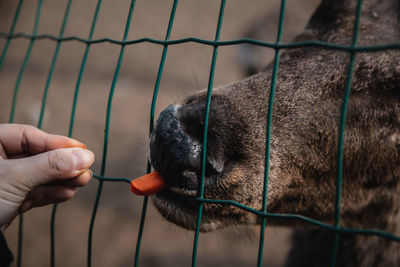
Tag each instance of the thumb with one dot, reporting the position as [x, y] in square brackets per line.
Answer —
[54, 165]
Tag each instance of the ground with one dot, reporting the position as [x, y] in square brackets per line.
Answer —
[186, 71]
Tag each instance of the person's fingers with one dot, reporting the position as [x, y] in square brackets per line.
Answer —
[79, 181]
[56, 192]
[47, 194]
[18, 139]
[52, 166]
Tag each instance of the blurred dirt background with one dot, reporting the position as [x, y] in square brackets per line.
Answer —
[186, 71]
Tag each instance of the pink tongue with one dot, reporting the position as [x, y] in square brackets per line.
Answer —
[148, 184]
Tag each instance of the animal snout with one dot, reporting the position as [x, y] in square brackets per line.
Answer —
[175, 153]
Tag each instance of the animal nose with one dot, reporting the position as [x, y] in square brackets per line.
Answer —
[173, 152]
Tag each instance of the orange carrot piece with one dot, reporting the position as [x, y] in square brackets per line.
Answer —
[148, 184]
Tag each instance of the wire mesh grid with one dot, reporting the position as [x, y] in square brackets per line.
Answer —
[215, 44]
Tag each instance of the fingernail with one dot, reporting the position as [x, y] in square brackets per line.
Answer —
[76, 143]
[84, 158]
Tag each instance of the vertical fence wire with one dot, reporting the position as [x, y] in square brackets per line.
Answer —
[82, 67]
[15, 96]
[200, 191]
[71, 125]
[152, 112]
[12, 28]
[25, 62]
[53, 64]
[268, 132]
[41, 116]
[341, 129]
[107, 132]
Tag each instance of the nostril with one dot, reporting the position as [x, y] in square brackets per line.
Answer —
[212, 169]
[217, 165]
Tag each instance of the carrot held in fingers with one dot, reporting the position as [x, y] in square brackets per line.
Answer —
[148, 184]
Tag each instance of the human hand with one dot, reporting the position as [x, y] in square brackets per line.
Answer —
[37, 169]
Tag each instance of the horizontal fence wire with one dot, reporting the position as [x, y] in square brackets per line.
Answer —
[313, 43]
[277, 46]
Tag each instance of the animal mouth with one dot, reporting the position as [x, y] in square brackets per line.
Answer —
[183, 191]
[179, 205]
[211, 179]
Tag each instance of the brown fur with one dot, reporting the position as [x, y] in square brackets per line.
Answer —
[307, 107]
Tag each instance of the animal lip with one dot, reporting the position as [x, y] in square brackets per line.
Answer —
[211, 178]
[183, 191]
[186, 191]
[189, 189]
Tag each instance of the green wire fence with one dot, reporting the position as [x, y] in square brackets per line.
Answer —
[277, 46]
